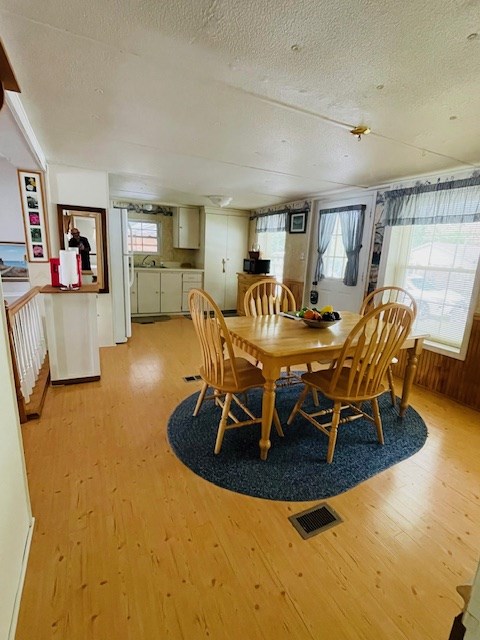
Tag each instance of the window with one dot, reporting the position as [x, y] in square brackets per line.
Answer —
[272, 247]
[437, 264]
[145, 237]
[335, 258]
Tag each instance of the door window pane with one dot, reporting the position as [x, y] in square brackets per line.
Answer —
[335, 258]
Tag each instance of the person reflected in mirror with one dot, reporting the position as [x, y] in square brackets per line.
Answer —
[83, 246]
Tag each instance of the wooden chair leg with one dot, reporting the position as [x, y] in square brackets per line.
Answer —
[378, 420]
[200, 398]
[392, 386]
[223, 422]
[276, 422]
[332, 440]
[216, 397]
[314, 391]
[298, 404]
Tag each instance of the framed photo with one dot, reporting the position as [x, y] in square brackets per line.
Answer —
[297, 222]
[13, 262]
[34, 216]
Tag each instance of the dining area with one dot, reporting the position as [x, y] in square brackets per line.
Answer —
[279, 341]
[269, 373]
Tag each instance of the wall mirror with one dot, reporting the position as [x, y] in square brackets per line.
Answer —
[91, 224]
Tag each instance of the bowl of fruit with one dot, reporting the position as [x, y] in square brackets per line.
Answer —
[319, 319]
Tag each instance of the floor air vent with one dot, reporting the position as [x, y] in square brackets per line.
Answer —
[191, 378]
[315, 520]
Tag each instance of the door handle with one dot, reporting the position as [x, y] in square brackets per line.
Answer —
[223, 265]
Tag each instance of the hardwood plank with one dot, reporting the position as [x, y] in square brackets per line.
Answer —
[131, 544]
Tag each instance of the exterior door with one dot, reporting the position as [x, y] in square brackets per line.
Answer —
[331, 290]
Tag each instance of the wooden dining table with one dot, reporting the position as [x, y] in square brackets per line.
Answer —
[278, 341]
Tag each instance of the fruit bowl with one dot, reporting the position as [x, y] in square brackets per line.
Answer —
[319, 324]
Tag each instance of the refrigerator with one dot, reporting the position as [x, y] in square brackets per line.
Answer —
[122, 273]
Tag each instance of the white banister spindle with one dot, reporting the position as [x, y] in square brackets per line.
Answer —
[41, 341]
[29, 344]
[20, 357]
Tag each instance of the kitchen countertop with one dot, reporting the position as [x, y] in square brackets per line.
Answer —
[168, 269]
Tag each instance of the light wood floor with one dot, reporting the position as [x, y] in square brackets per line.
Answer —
[130, 544]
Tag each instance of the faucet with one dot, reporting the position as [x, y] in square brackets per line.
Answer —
[151, 263]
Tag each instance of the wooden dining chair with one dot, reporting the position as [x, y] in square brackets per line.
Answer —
[269, 297]
[221, 370]
[359, 371]
[384, 295]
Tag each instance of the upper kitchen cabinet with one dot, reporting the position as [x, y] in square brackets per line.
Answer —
[186, 228]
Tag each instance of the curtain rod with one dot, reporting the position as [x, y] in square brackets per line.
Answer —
[274, 213]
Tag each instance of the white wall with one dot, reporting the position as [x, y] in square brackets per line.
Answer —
[82, 188]
[15, 514]
[11, 220]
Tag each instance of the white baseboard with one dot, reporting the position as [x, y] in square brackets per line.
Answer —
[18, 597]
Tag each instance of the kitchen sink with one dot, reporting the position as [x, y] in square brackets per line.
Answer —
[150, 266]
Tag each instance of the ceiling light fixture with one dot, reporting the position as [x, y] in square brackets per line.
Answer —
[220, 201]
[360, 131]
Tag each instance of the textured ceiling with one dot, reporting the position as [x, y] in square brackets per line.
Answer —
[252, 99]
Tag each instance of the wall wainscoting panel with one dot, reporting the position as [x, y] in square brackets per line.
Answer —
[457, 379]
[296, 287]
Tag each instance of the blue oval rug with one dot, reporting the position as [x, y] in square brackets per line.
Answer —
[296, 468]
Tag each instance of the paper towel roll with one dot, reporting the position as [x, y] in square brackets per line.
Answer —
[68, 268]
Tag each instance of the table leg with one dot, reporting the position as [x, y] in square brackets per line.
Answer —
[268, 404]
[410, 371]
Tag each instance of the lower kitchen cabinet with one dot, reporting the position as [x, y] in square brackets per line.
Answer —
[190, 281]
[148, 292]
[157, 291]
[170, 291]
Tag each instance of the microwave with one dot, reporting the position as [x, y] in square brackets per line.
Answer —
[256, 266]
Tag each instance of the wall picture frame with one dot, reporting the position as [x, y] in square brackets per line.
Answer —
[13, 262]
[297, 222]
[34, 215]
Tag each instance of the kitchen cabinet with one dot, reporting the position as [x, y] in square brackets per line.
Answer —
[170, 291]
[226, 242]
[186, 228]
[148, 291]
[190, 281]
[157, 291]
